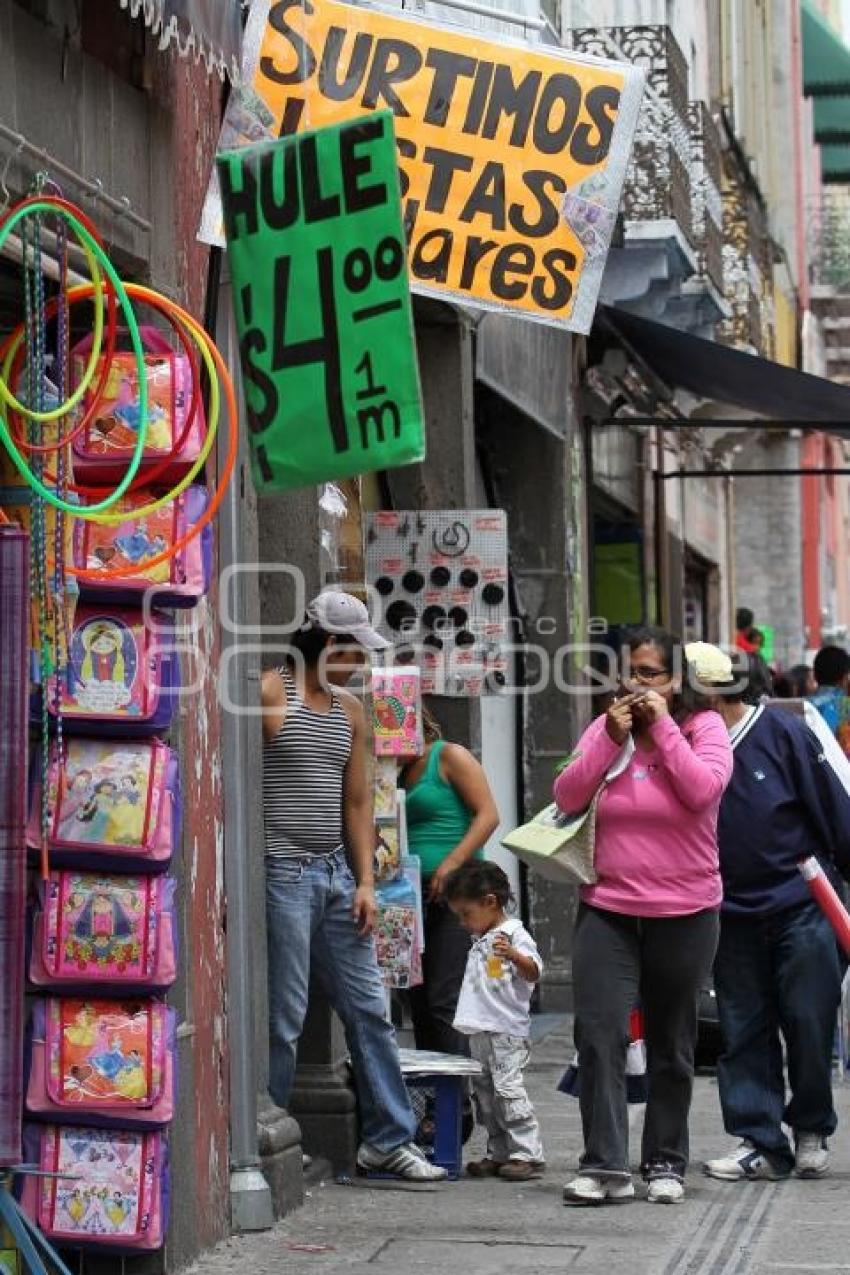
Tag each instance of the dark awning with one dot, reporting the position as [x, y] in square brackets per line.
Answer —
[208, 29]
[727, 375]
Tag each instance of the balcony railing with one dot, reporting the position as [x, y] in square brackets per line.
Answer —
[828, 219]
[747, 266]
[658, 181]
[707, 201]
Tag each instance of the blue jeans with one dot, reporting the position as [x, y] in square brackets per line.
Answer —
[777, 974]
[309, 921]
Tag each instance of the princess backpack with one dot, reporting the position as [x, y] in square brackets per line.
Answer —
[111, 1192]
[103, 450]
[113, 805]
[108, 1062]
[179, 581]
[122, 675]
[105, 933]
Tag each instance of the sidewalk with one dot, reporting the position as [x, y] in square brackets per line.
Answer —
[491, 1226]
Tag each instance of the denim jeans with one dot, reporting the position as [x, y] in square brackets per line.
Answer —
[777, 974]
[309, 923]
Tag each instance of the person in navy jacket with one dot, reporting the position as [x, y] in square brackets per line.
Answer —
[778, 970]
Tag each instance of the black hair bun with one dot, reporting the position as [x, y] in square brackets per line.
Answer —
[440, 577]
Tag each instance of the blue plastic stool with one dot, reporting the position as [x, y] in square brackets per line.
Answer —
[436, 1100]
[439, 1099]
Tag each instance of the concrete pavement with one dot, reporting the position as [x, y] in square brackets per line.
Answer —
[472, 1227]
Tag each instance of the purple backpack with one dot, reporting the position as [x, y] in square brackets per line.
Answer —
[122, 675]
[179, 581]
[113, 805]
[108, 1062]
[114, 934]
[103, 450]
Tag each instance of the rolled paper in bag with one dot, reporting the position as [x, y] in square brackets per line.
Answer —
[827, 900]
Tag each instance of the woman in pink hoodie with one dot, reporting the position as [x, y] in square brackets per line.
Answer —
[647, 930]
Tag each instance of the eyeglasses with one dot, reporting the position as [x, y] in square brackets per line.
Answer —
[645, 673]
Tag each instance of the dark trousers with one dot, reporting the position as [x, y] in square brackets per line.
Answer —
[433, 1004]
[661, 962]
[775, 975]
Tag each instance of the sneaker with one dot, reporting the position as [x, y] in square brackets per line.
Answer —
[744, 1162]
[589, 1190]
[666, 1191]
[812, 1158]
[406, 1162]
[522, 1170]
[485, 1168]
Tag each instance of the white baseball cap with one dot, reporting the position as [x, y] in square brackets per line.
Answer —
[711, 666]
[341, 613]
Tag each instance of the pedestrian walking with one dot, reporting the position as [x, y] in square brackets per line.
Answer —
[493, 1011]
[778, 970]
[320, 899]
[647, 930]
[450, 816]
[832, 674]
[797, 683]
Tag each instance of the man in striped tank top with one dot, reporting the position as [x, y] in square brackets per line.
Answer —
[320, 895]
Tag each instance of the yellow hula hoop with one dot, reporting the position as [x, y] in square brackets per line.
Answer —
[88, 375]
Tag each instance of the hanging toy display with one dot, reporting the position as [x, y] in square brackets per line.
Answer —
[103, 449]
[441, 577]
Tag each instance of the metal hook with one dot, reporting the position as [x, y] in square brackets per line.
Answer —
[7, 194]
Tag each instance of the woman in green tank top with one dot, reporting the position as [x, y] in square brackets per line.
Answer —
[450, 816]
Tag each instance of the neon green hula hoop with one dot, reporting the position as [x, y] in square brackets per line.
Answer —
[138, 350]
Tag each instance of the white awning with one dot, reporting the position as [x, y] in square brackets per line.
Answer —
[208, 29]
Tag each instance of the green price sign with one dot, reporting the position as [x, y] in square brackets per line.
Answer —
[318, 268]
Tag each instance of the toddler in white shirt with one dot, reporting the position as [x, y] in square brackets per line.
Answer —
[493, 1011]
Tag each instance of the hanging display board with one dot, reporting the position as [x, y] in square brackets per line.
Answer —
[512, 156]
[319, 280]
[441, 578]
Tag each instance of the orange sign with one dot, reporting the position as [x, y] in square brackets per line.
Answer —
[511, 156]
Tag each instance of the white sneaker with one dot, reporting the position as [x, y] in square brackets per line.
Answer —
[812, 1158]
[406, 1162]
[666, 1191]
[744, 1162]
[590, 1190]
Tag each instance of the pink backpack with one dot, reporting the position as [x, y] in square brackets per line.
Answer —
[114, 933]
[122, 676]
[106, 444]
[112, 1192]
[108, 1062]
[114, 805]
[180, 581]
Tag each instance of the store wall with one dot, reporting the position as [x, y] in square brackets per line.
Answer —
[155, 147]
[538, 478]
[769, 569]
